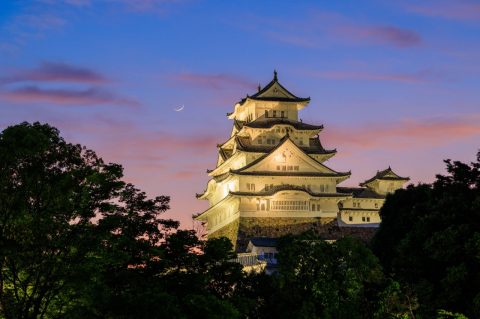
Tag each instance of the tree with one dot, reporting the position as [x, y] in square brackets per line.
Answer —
[78, 242]
[58, 201]
[318, 279]
[429, 240]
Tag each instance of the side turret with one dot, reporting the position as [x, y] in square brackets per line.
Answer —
[384, 182]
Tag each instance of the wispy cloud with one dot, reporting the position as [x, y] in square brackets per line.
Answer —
[457, 10]
[90, 96]
[321, 27]
[421, 76]
[213, 81]
[33, 24]
[37, 19]
[389, 35]
[56, 72]
[72, 85]
[146, 5]
[405, 134]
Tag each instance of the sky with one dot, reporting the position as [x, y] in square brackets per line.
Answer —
[393, 82]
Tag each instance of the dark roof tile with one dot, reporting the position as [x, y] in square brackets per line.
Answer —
[383, 175]
[360, 192]
[269, 122]
[264, 241]
[260, 97]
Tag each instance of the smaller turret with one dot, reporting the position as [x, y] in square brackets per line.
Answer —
[386, 181]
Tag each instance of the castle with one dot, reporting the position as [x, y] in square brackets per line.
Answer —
[270, 178]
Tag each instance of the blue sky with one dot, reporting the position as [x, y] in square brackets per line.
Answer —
[394, 82]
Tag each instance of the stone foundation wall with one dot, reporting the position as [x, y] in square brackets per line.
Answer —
[230, 231]
[327, 228]
[241, 230]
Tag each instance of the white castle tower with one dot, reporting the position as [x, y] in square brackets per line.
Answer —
[271, 179]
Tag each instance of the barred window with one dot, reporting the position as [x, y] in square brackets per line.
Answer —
[290, 205]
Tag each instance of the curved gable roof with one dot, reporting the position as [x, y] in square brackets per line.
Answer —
[274, 91]
[286, 139]
[386, 174]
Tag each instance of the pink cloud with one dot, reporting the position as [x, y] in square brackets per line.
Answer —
[185, 174]
[90, 96]
[405, 134]
[140, 143]
[56, 72]
[457, 10]
[391, 35]
[322, 27]
[416, 77]
[213, 81]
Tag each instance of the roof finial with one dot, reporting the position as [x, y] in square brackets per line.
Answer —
[259, 87]
[275, 75]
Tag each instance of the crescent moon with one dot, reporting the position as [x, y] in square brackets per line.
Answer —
[179, 108]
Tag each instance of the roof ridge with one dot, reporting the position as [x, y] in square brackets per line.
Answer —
[274, 81]
[280, 143]
[382, 175]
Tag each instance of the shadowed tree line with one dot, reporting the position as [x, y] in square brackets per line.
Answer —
[76, 241]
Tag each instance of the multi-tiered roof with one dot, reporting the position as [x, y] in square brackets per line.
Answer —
[273, 166]
[266, 130]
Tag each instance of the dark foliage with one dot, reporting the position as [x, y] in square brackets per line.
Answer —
[78, 242]
[429, 240]
[318, 279]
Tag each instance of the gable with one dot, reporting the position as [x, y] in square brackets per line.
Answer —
[390, 174]
[287, 157]
[276, 90]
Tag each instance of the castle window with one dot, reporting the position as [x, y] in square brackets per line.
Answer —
[363, 219]
[318, 207]
[260, 140]
[322, 188]
[300, 142]
[290, 167]
[266, 113]
[350, 218]
[313, 207]
[274, 113]
[278, 167]
[368, 219]
[283, 113]
[287, 205]
[376, 205]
